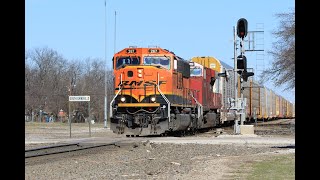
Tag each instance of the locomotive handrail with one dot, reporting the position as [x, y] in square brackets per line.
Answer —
[165, 98]
[200, 110]
[120, 88]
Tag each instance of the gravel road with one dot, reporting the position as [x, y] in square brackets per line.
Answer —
[204, 156]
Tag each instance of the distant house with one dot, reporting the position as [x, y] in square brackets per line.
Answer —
[61, 116]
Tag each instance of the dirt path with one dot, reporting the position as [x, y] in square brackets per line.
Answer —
[201, 157]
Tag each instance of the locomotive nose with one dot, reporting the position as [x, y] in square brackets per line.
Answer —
[134, 73]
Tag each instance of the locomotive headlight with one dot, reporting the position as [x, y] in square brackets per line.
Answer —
[153, 99]
[122, 99]
[140, 71]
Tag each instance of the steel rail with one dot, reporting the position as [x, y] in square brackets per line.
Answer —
[65, 151]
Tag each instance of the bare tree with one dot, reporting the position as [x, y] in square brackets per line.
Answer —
[282, 70]
[92, 83]
[44, 69]
[39, 73]
[50, 79]
[30, 103]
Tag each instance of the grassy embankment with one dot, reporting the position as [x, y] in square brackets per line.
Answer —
[279, 167]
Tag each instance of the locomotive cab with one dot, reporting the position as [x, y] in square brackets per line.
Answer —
[141, 87]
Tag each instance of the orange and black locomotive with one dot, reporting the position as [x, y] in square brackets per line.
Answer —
[158, 92]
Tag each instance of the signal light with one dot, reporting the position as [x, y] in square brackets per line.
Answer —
[224, 74]
[246, 74]
[242, 28]
[242, 62]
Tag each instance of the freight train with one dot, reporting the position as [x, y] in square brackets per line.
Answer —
[159, 93]
[261, 102]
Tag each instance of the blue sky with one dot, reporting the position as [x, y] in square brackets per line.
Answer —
[77, 29]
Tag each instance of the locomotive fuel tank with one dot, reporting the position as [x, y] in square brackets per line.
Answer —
[210, 120]
[182, 122]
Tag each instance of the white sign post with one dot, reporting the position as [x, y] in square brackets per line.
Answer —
[80, 98]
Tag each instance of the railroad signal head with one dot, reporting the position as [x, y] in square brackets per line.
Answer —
[224, 74]
[246, 74]
[242, 28]
[242, 62]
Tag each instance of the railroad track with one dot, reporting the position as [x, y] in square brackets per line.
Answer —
[63, 148]
[273, 122]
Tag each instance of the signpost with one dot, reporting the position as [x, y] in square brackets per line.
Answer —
[80, 98]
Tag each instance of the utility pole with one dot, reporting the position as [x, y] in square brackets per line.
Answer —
[105, 72]
[115, 31]
[69, 119]
[71, 87]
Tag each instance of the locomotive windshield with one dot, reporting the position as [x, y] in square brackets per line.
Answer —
[195, 72]
[127, 60]
[162, 61]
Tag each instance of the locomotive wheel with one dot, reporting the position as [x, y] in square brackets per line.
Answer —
[164, 134]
